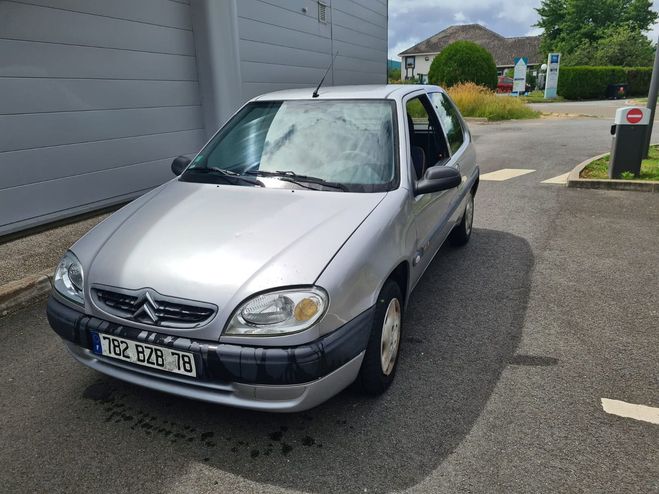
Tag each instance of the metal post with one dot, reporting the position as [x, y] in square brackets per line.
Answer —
[652, 99]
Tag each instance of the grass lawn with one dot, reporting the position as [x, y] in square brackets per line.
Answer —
[539, 97]
[649, 168]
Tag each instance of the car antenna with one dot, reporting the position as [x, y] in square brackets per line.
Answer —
[315, 93]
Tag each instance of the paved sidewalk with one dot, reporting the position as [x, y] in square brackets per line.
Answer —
[30, 255]
[28, 262]
[605, 109]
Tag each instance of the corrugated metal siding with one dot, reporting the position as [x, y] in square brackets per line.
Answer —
[359, 32]
[97, 98]
[281, 46]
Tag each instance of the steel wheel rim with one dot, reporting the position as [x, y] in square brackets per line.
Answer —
[469, 214]
[390, 337]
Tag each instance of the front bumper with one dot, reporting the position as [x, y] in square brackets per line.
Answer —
[261, 378]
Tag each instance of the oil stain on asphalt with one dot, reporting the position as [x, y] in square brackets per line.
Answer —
[118, 412]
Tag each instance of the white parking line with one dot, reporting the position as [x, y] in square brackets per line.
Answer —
[560, 180]
[630, 410]
[505, 174]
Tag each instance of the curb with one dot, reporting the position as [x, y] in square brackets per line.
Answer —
[476, 119]
[18, 294]
[574, 181]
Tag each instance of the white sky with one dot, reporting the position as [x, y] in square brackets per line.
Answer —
[411, 21]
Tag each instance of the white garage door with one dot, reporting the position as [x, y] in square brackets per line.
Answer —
[96, 98]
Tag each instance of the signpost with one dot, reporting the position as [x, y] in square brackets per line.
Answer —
[634, 115]
[551, 86]
[629, 132]
[519, 78]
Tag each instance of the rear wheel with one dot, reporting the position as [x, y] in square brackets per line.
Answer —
[462, 232]
[381, 357]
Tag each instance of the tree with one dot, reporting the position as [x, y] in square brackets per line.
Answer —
[602, 32]
[393, 74]
[621, 47]
[463, 61]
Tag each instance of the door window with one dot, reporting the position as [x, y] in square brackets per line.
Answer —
[448, 115]
[427, 143]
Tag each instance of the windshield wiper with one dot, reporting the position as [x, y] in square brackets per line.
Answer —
[231, 176]
[291, 176]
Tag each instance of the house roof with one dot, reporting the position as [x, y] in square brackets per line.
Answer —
[504, 50]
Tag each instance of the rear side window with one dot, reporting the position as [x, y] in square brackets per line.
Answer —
[450, 120]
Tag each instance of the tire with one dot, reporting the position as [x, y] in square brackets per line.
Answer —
[379, 365]
[462, 232]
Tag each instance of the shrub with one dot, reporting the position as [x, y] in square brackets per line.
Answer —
[478, 101]
[638, 79]
[463, 61]
[393, 74]
[591, 82]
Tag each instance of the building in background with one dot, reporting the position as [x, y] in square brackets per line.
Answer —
[417, 59]
[97, 97]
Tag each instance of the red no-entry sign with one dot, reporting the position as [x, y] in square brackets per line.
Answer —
[634, 116]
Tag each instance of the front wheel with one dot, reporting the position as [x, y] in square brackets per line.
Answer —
[381, 357]
[462, 232]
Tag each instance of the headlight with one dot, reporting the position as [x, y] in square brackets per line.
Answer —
[278, 313]
[69, 278]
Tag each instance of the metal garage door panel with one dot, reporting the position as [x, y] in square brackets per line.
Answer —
[104, 94]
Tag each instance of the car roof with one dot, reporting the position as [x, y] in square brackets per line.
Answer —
[381, 91]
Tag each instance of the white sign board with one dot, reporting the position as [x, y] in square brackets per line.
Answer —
[632, 115]
[519, 78]
[551, 86]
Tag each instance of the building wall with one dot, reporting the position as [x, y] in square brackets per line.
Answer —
[359, 34]
[282, 43]
[97, 97]
[103, 94]
[422, 66]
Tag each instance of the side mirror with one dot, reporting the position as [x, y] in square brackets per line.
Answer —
[438, 178]
[179, 164]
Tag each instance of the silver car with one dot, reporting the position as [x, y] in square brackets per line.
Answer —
[274, 269]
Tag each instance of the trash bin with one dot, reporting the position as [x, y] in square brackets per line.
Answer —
[617, 91]
[629, 132]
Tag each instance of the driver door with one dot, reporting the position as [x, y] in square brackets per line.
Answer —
[431, 212]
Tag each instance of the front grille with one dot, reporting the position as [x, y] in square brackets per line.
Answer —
[149, 307]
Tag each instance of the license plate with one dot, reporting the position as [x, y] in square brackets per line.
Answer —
[144, 354]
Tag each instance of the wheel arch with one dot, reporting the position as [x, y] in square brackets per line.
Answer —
[401, 276]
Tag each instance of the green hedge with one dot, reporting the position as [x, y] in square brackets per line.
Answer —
[591, 82]
[639, 80]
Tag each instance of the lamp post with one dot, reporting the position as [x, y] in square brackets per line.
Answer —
[541, 76]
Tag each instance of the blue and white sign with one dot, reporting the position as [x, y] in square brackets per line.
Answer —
[553, 64]
[519, 77]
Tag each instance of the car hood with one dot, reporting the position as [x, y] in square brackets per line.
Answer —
[221, 244]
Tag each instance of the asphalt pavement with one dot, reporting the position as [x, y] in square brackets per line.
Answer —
[509, 345]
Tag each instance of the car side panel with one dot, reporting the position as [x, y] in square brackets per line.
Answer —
[356, 274]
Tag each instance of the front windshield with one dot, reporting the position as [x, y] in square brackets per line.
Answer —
[326, 145]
